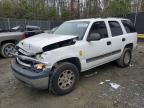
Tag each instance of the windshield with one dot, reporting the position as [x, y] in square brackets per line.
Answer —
[77, 28]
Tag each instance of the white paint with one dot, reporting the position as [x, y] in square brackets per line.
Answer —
[114, 85]
[101, 83]
[107, 80]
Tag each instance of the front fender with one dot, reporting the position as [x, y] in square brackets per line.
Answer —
[56, 55]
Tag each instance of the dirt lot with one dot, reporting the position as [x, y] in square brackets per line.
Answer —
[89, 92]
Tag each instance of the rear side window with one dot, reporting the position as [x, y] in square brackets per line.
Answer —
[115, 27]
[128, 25]
[99, 27]
[32, 29]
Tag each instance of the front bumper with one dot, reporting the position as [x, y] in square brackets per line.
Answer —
[39, 80]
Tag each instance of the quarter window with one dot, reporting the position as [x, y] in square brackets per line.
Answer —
[115, 27]
[128, 25]
[99, 27]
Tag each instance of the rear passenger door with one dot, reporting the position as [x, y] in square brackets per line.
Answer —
[130, 33]
[116, 39]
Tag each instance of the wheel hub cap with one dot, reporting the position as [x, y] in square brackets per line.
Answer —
[127, 58]
[66, 79]
[8, 50]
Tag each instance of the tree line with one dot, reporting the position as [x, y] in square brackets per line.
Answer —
[67, 9]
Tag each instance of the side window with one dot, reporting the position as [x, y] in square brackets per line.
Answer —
[128, 25]
[30, 29]
[99, 27]
[115, 27]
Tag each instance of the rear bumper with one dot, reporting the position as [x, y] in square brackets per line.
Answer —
[39, 80]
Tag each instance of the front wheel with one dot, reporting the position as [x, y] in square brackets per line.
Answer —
[64, 78]
[125, 58]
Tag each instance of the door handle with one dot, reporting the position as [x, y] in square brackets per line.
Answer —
[109, 43]
[123, 39]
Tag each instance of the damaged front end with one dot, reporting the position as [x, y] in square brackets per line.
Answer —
[31, 64]
[31, 71]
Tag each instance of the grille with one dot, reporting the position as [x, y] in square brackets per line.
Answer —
[24, 53]
[19, 53]
[26, 61]
[30, 67]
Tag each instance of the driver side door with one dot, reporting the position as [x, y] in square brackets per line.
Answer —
[97, 52]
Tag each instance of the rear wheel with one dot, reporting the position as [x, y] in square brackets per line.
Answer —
[64, 78]
[7, 49]
[125, 58]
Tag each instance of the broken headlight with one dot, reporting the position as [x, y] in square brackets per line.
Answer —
[39, 56]
[39, 66]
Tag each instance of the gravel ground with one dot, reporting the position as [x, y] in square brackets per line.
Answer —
[89, 92]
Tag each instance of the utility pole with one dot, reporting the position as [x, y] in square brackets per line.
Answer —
[137, 6]
[78, 6]
[72, 5]
[59, 8]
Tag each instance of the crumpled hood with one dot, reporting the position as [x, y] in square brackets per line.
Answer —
[36, 43]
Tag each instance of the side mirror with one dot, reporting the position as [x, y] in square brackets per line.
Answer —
[94, 37]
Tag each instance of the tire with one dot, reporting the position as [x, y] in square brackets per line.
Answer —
[125, 58]
[6, 49]
[60, 85]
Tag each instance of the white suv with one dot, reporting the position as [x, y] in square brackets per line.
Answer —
[54, 60]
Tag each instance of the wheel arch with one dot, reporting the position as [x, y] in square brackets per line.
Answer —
[73, 60]
[130, 45]
[8, 41]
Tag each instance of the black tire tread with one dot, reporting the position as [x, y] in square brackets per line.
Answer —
[120, 61]
[2, 49]
[58, 68]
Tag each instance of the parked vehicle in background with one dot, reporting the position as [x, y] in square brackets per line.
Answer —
[22, 28]
[8, 40]
[28, 30]
[0, 30]
[51, 31]
[55, 60]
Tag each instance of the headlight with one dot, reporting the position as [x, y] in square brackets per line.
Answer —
[39, 56]
[39, 66]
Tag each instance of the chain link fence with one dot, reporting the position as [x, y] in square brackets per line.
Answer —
[7, 23]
